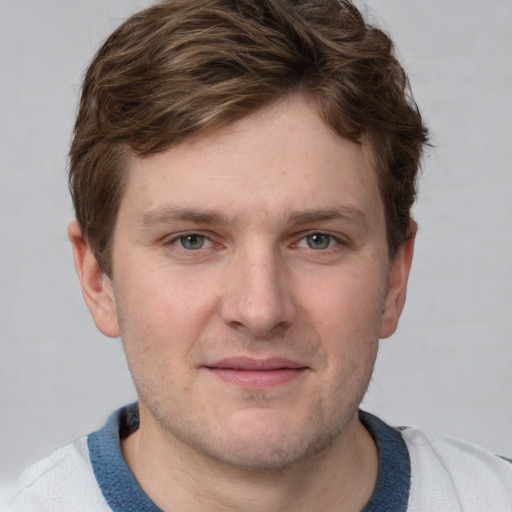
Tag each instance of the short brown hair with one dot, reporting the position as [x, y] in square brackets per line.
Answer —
[182, 67]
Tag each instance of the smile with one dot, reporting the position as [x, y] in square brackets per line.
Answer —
[253, 374]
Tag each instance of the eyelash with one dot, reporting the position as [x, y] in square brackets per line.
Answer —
[331, 239]
[175, 241]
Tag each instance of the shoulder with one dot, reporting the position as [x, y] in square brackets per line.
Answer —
[448, 474]
[63, 481]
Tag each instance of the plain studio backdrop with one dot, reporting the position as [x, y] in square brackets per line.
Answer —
[447, 369]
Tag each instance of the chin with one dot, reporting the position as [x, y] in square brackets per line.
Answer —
[266, 447]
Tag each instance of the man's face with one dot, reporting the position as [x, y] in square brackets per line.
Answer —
[251, 283]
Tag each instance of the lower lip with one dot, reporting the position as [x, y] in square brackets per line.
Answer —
[258, 379]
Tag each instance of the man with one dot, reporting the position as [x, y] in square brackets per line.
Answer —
[242, 174]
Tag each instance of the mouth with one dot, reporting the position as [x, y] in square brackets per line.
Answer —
[257, 374]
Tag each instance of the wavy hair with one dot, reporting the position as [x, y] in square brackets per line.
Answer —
[182, 67]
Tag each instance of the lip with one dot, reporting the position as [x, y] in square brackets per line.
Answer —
[254, 374]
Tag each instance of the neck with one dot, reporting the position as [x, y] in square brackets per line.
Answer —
[341, 477]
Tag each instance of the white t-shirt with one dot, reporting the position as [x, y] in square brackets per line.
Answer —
[418, 472]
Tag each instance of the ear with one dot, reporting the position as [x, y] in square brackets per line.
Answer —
[96, 285]
[397, 286]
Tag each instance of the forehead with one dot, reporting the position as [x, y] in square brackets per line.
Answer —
[278, 160]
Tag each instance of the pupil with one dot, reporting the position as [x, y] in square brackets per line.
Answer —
[192, 242]
[318, 241]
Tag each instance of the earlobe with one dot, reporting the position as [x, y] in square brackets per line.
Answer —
[96, 285]
[397, 286]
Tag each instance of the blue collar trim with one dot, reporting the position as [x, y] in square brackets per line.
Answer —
[124, 494]
[394, 480]
[117, 483]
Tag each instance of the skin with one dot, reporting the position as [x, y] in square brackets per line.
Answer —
[251, 284]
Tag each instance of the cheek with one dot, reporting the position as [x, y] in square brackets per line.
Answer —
[346, 302]
[346, 316]
[161, 326]
[164, 303]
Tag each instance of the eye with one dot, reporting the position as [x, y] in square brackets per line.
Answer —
[193, 242]
[318, 241]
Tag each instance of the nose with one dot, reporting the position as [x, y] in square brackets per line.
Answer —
[258, 297]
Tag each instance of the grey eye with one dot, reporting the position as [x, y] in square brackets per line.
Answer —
[318, 241]
[192, 242]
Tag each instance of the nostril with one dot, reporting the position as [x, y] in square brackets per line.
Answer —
[257, 296]
[270, 320]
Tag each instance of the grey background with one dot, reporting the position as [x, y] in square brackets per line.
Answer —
[448, 367]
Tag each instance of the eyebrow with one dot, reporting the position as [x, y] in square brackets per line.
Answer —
[165, 215]
[347, 214]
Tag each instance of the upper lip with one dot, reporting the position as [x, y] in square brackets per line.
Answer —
[249, 363]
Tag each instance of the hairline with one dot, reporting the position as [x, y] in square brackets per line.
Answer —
[125, 153]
